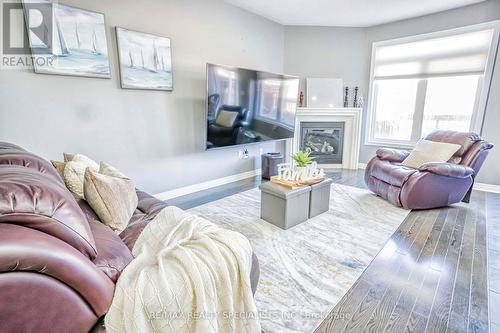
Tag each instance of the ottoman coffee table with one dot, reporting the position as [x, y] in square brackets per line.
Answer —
[319, 201]
[285, 207]
[282, 206]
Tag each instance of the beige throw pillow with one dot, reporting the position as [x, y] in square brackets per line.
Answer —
[59, 166]
[226, 118]
[111, 195]
[74, 173]
[68, 157]
[430, 151]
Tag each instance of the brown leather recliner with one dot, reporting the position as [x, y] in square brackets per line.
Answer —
[433, 184]
[58, 262]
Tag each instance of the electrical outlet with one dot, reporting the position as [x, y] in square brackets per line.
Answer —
[261, 151]
[243, 154]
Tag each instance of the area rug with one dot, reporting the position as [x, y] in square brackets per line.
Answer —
[307, 269]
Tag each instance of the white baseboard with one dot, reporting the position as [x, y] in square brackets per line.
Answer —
[487, 187]
[178, 192]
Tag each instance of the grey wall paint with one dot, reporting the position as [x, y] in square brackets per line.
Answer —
[346, 53]
[326, 52]
[157, 138]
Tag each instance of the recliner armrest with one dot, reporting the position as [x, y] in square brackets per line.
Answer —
[392, 155]
[448, 169]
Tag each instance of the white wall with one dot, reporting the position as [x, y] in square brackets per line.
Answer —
[346, 53]
[157, 138]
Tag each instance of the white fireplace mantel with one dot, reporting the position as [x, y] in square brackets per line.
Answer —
[351, 117]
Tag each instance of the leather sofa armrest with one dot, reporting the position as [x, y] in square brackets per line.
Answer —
[448, 169]
[27, 250]
[392, 155]
[149, 204]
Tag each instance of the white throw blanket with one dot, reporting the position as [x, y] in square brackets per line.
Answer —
[188, 275]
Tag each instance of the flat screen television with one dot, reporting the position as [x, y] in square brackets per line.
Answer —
[246, 106]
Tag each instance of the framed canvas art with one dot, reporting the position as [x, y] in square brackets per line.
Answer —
[78, 45]
[145, 60]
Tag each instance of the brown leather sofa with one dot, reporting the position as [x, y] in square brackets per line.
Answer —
[433, 184]
[58, 262]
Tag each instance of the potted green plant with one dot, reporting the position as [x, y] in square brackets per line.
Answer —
[302, 159]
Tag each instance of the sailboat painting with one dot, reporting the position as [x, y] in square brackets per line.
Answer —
[79, 45]
[145, 60]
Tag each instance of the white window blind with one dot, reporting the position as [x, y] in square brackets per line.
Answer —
[433, 81]
[465, 53]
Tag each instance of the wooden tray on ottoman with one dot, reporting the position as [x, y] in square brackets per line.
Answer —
[296, 183]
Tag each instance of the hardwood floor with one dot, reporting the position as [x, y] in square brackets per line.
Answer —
[431, 276]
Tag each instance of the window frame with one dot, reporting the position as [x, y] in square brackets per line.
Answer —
[481, 97]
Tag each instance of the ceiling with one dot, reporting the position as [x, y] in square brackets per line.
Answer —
[346, 13]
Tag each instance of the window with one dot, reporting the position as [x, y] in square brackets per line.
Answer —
[427, 82]
[277, 101]
[228, 82]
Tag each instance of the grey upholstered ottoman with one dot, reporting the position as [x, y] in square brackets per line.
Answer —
[284, 207]
[320, 198]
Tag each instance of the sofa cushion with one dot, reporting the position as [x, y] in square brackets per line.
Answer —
[393, 174]
[147, 209]
[35, 200]
[112, 254]
[138, 222]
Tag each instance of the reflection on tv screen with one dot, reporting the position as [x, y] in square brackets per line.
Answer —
[246, 106]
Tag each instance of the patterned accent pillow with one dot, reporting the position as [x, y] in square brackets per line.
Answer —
[74, 173]
[111, 195]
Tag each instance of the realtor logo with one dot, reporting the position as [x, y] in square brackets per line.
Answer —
[24, 24]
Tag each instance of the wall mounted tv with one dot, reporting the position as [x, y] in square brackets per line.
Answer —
[246, 106]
